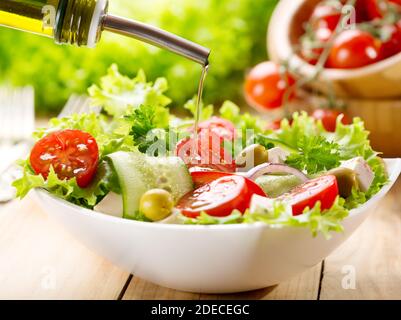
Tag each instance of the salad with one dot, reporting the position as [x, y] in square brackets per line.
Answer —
[135, 160]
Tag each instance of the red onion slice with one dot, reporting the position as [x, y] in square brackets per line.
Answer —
[267, 168]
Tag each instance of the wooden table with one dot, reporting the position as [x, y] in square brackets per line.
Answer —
[39, 260]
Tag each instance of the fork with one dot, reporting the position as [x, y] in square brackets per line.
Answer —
[75, 104]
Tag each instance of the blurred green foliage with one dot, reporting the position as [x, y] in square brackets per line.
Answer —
[235, 30]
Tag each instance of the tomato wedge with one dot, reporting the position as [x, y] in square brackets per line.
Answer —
[72, 153]
[218, 194]
[201, 178]
[323, 189]
[223, 128]
[210, 152]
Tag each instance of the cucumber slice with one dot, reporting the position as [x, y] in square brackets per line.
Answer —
[138, 173]
[276, 185]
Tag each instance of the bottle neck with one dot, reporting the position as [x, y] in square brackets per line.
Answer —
[79, 22]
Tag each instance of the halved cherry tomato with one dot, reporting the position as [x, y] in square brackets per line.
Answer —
[208, 152]
[323, 189]
[72, 153]
[265, 85]
[353, 49]
[329, 118]
[219, 126]
[218, 194]
[201, 178]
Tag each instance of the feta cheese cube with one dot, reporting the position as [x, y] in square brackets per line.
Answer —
[363, 172]
[260, 204]
[278, 155]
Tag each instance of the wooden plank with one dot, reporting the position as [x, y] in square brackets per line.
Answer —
[303, 287]
[39, 260]
[372, 255]
[139, 289]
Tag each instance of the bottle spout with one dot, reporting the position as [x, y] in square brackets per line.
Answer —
[157, 37]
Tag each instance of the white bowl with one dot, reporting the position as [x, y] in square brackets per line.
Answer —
[207, 259]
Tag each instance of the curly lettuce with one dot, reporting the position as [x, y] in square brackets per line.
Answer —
[117, 93]
[69, 190]
[317, 221]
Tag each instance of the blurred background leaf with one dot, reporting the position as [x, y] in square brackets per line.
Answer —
[235, 30]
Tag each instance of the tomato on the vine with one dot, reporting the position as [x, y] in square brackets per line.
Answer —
[326, 15]
[266, 85]
[353, 49]
[329, 118]
[71, 153]
[368, 10]
[312, 55]
[393, 44]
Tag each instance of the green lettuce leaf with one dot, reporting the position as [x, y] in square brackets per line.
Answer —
[117, 93]
[206, 111]
[69, 190]
[243, 121]
[204, 219]
[318, 221]
[109, 140]
[353, 140]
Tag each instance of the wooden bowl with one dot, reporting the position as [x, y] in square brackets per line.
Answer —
[381, 80]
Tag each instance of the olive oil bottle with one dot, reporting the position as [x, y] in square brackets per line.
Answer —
[81, 22]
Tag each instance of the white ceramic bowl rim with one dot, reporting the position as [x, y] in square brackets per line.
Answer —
[393, 177]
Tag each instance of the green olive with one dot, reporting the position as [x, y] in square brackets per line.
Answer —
[156, 204]
[252, 156]
[346, 179]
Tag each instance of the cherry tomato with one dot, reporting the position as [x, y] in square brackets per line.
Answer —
[323, 189]
[201, 178]
[208, 152]
[312, 55]
[265, 85]
[353, 49]
[368, 10]
[276, 124]
[329, 118]
[397, 2]
[393, 45]
[219, 126]
[218, 195]
[72, 153]
[326, 15]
